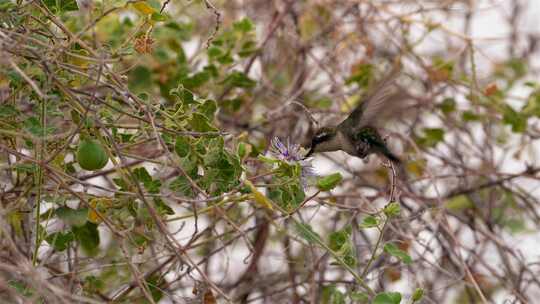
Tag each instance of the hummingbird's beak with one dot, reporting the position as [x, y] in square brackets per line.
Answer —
[309, 153]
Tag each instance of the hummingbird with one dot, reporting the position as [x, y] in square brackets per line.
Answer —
[358, 134]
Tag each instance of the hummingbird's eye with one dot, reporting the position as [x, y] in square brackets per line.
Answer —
[323, 136]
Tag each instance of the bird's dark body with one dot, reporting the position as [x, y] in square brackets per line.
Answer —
[367, 141]
[357, 134]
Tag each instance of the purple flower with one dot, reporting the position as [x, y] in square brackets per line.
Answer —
[293, 154]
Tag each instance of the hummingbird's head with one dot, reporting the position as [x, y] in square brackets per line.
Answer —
[322, 140]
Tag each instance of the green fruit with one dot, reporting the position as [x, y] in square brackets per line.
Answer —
[91, 155]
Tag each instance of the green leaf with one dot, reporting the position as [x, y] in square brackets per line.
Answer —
[362, 76]
[448, 105]
[140, 78]
[88, 238]
[517, 120]
[306, 232]
[33, 125]
[182, 146]
[26, 168]
[197, 80]
[153, 284]
[432, 136]
[184, 95]
[393, 250]
[181, 184]
[60, 241]
[338, 239]
[331, 295]
[200, 123]
[72, 217]
[208, 108]
[392, 209]
[329, 182]
[144, 177]
[288, 196]
[245, 25]
[162, 208]
[387, 298]
[518, 66]
[369, 222]
[239, 80]
[359, 297]
[158, 17]
[61, 5]
[241, 150]
[21, 288]
[214, 52]
[6, 5]
[8, 111]
[417, 294]
[248, 49]
[458, 203]
[469, 116]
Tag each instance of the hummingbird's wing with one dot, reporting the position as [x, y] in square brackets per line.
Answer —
[375, 103]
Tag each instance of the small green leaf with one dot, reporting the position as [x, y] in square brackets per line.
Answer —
[197, 80]
[387, 298]
[362, 76]
[21, 287]
[359, 297]
[393, 250]
[248, 49]
[518, 66]
[239, 80]
[458, 203]
[33, 125]
[144, 177]
[214, 52]
[517, 120]
[184, 95]
[153, 285]
[8, 111]
[72, 217]
[61, 5]
[200, 123]
[60, 241]
[469, 116]
[329, 182]
[337, 239]
[307, 233]
[392, 209]
[241, 150]
[369, 222]
[448, 105]
[331, 295]
[208, 108]
[181, 184]
[432, 136]
[182, 146]
[417, 294]
[88, 238]
[245, 25]
[140, 78]
[162, 208]
[158, 17]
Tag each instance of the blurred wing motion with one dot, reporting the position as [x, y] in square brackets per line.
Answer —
[378, 101]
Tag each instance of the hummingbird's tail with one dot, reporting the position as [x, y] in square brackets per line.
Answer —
[391, 156]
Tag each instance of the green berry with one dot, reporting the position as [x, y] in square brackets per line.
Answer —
[91, 155]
